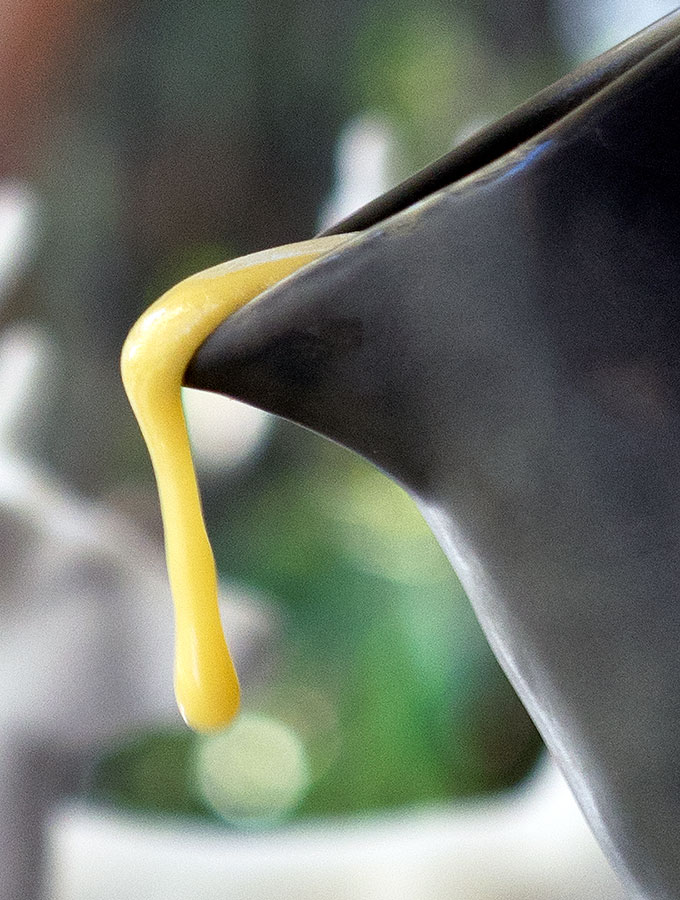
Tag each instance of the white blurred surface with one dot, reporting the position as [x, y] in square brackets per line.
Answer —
[18, 223]
[224, 432]
[365, 165]
[529, 844]
[588, 28]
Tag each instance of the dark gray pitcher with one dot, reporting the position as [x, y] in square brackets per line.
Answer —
[503, 339]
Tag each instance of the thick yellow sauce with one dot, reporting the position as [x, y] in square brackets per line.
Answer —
[154, 359]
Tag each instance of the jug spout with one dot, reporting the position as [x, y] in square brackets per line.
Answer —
[333, 359]
[507, 346]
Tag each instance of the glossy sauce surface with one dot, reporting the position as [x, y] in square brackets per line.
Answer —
[154, 359]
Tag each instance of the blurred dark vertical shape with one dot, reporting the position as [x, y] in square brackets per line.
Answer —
[521, 29]
[34, 778]
[176, 127]
[301, 53]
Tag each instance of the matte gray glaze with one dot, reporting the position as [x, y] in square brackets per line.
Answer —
[508, 349]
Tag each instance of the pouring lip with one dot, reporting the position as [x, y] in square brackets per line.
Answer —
[527, 121]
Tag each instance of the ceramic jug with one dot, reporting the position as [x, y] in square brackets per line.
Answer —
[502, 338]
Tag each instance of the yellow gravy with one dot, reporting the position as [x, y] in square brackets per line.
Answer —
[154, 359]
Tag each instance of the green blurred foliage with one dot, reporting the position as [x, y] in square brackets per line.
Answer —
[436, 73]
[149, 772]
[382, 627]
[418, 69]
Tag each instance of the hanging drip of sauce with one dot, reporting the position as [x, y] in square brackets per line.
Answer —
[154, 358]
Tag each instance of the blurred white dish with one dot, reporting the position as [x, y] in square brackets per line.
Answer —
[528, 844]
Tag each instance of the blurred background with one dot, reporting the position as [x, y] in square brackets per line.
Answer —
[139, 143]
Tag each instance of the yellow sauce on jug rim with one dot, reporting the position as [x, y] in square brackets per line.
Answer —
[154, 358]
